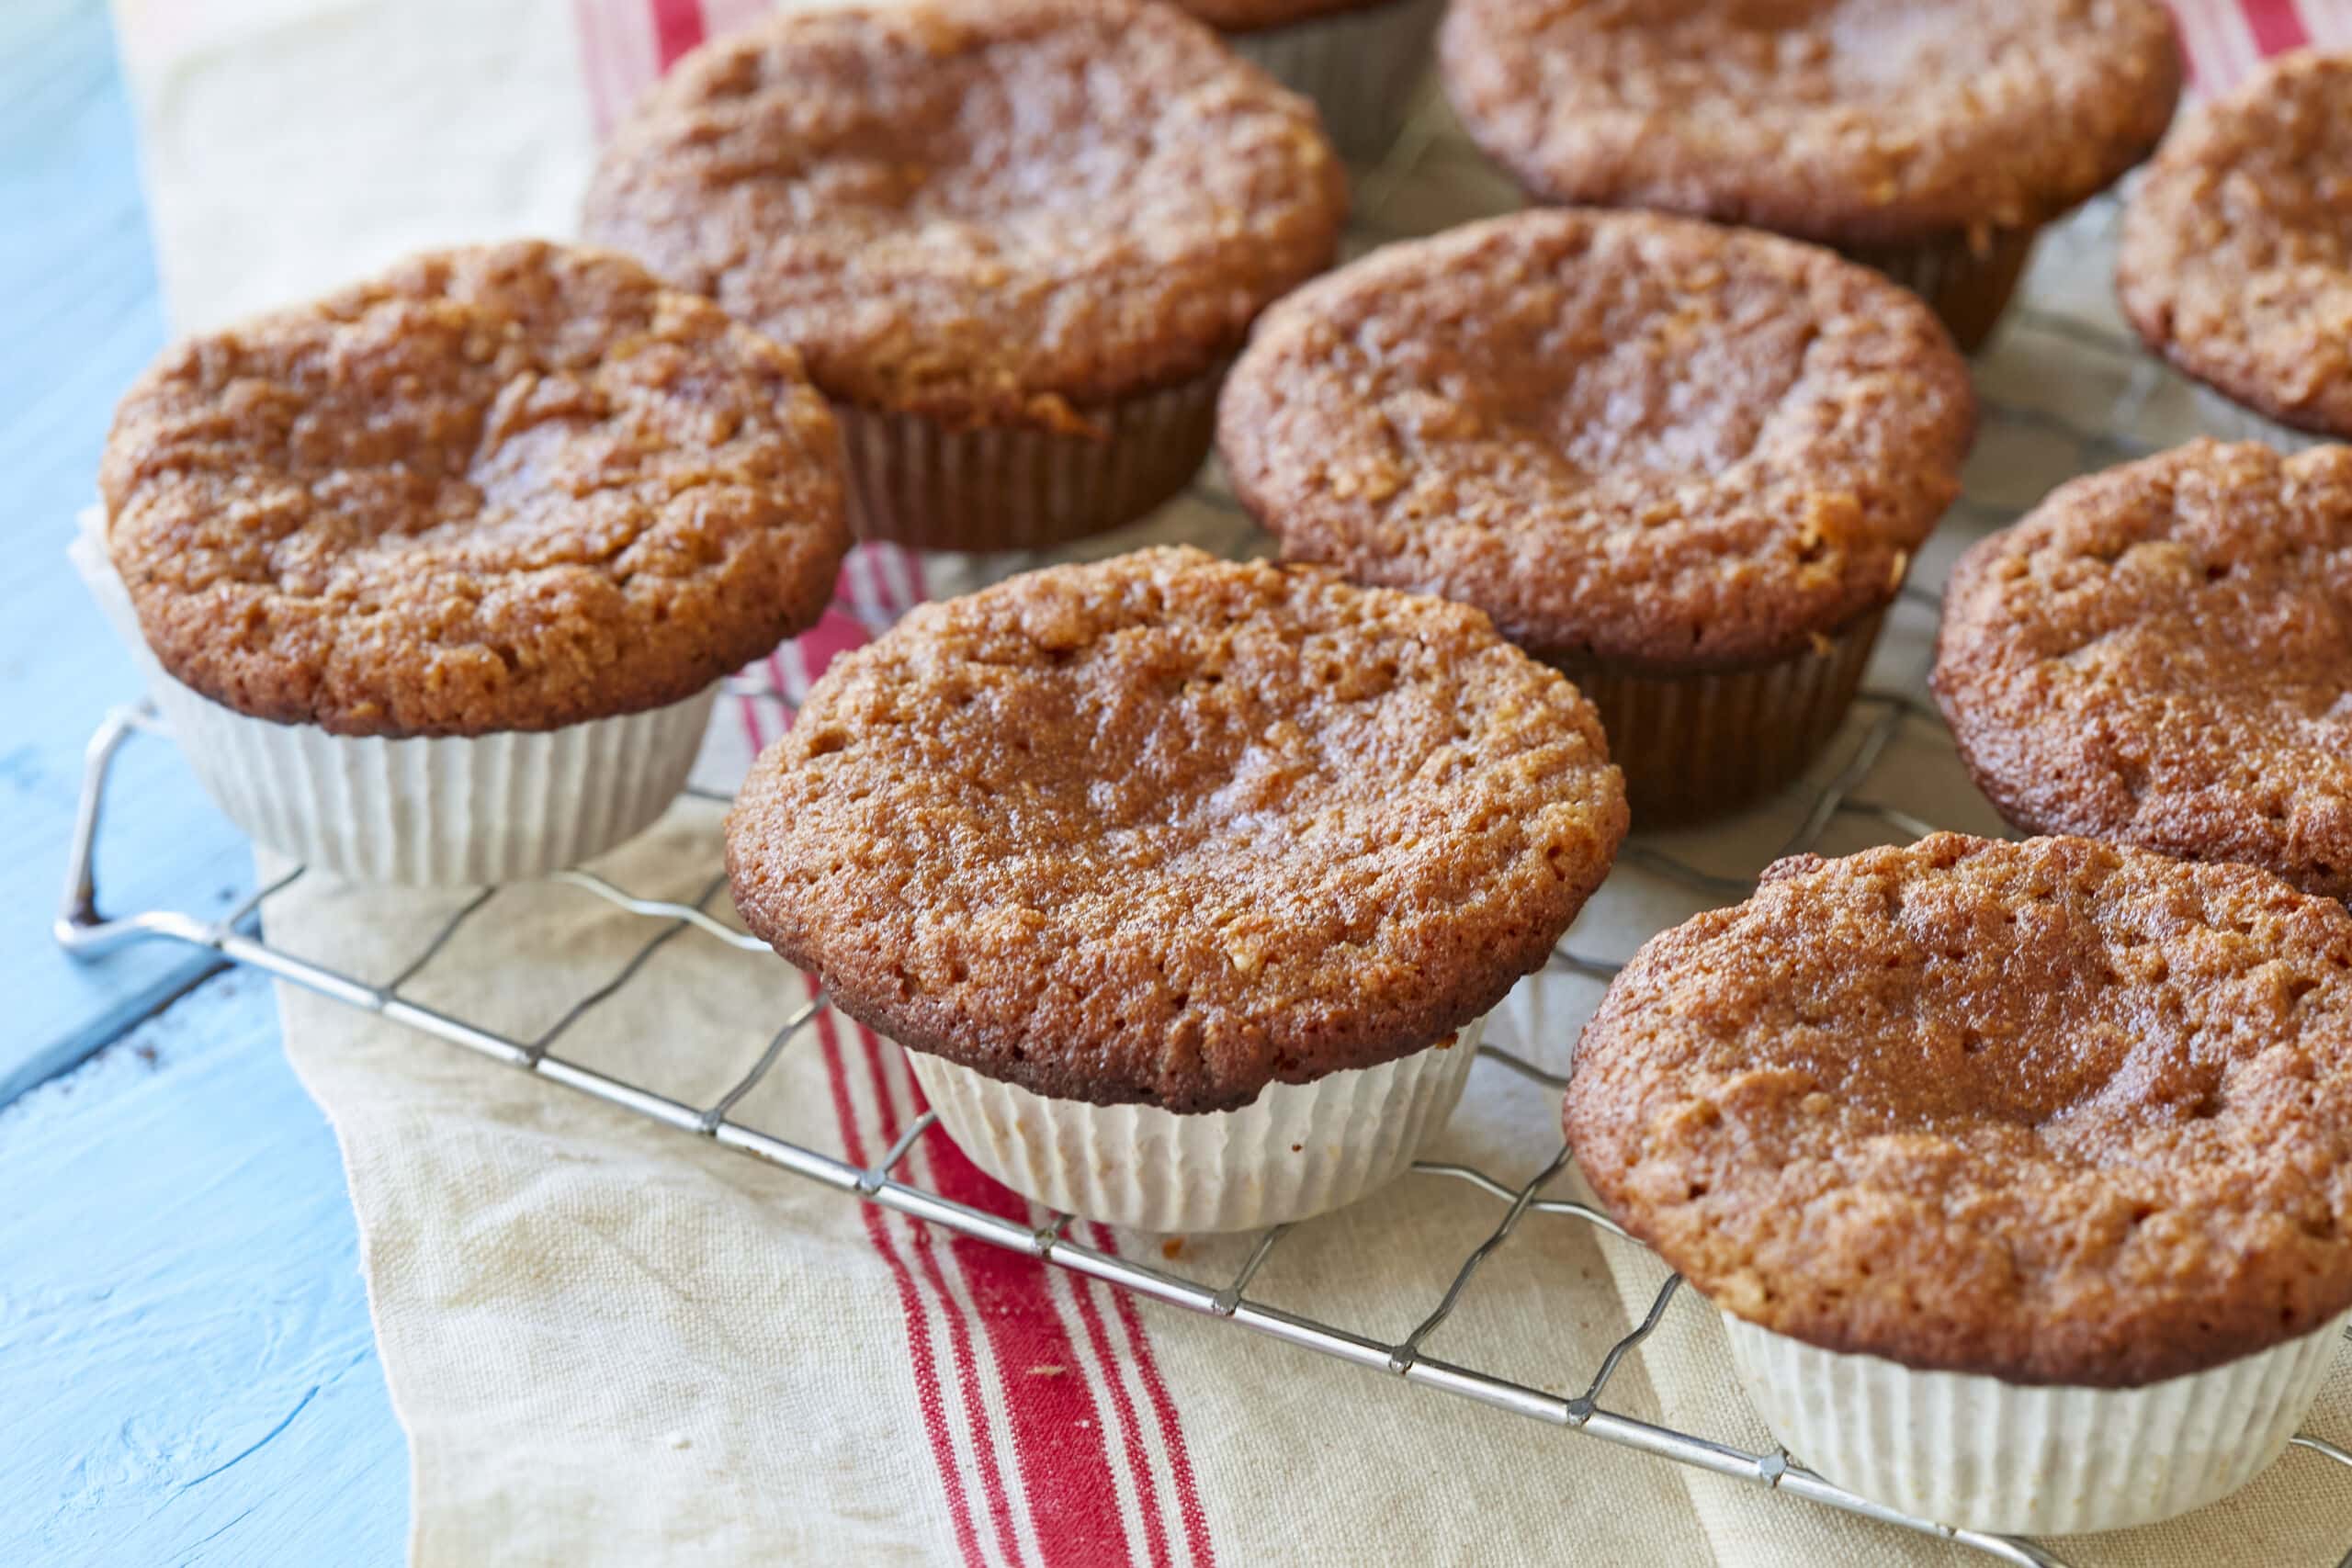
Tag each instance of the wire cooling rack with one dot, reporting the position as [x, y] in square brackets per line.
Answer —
[1428, 181]
[84, 930]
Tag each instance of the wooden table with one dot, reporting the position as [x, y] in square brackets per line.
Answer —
[187, 1370]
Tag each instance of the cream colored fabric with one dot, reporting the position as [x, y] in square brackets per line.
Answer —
[612, 1344]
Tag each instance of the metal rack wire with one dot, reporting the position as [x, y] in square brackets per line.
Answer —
[1883, 718]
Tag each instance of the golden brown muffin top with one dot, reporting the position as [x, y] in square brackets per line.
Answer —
[1255, 16]
[2054, 1112]
[503, 487]
[1848, 121]
[2236, 260]
[2161, 653]
[984, 211]
[1642, 439]
[1168, 830]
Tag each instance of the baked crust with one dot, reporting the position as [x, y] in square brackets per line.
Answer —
[982, 211]
[1847, 121]
[1641, 439]
[2236, 257]
[2054, 1112]
[1168, 830]
[503, 488]
[2161, 653]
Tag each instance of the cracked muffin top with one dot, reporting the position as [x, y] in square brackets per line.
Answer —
[2161, 653]
[1628, 437]
[2054, 1112]
[1167, 830]
[1850, 121]
[981, 211]
[506, 488]
[2236, 258]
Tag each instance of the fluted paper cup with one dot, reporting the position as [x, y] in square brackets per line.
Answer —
[1359, 66]
[433, 810]
[1297, 1150]
[1967, 282]
[929, 486]
[1697, 746]
[2017, 1459]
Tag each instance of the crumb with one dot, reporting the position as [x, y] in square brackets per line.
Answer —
[616, 551]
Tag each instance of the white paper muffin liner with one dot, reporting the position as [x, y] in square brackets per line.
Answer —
[1358, 66]
[2226, 421]
[1978, 1454]
[1297, 1150]
[436, 810]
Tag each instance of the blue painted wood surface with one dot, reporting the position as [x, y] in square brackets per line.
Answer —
[187, 1370]
[79, 316]
[186, 1363]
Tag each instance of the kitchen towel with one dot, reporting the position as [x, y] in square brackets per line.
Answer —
[612, 1344]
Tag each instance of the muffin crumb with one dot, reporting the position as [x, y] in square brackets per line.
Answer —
[1643, 440]
[1845, 122]
[1168, 830]
[2054, 1112]
[1002, 212]
[2236, 256]
[2161, 653]
[506, 488]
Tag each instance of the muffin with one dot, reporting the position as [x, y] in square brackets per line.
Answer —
[1686, 465]
[2020, 1172]
[2162, 654]
[1186, 883]
[1017, 241]
[1359, 61]
[2236, 257]
[1930, 142]
[439, 573]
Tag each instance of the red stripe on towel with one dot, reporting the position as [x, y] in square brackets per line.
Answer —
[1106, 1356]
[1171, 1430]
[929, 1396]
[2276, 24]
[677, 28]
[959, 1332]
[1058, 1438]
